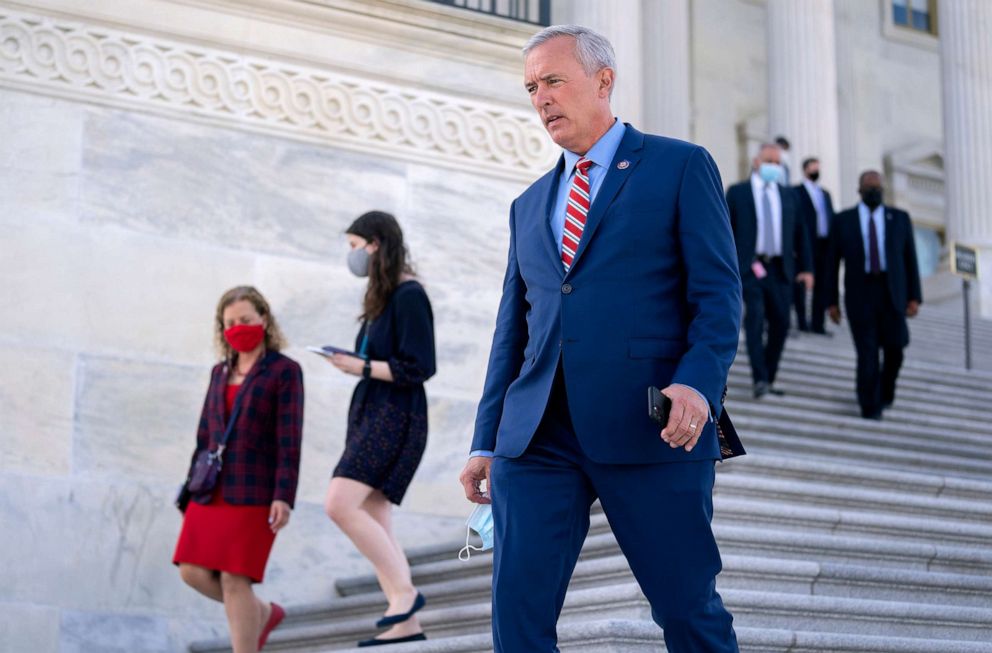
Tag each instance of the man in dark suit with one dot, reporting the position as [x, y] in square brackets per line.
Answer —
[772, 251]
[881, 286]
[816, 210]
[620, 275]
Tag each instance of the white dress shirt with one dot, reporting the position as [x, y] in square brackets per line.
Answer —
[878, 217]
[758, 187]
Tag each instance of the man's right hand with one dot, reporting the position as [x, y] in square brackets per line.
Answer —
[834, 312]
[477, 470]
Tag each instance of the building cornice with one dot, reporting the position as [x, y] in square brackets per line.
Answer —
[238, 87]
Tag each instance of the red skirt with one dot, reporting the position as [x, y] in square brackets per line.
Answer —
[224, 537]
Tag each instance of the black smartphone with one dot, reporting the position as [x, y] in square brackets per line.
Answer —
[659, 406]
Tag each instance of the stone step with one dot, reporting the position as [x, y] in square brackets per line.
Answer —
[809, 446]
[829, 356]
[827, 400]
[739, 572]
[888, 502]
[842, 389]
[638, 636]
[809, 519]
[799, 356]
[812, 369]
[754, 609]
[740, 540]
[955, 421]
[860, 475]
[760, 436]
[972, 440]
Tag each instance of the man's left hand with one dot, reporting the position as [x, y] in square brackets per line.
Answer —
[687, 419]
[912, 308]
[806, 278]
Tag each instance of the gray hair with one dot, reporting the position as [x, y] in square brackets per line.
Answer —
[592, 49]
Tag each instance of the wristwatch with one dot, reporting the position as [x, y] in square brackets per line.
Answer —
[367, 370]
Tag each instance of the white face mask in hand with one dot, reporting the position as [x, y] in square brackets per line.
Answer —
[480, 521]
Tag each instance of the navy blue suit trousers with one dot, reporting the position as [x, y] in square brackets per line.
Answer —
[660, 514]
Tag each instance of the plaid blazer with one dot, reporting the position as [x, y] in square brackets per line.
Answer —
[262, 457]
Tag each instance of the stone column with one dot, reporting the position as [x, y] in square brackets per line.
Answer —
[619, 21]
[802, 84]
[966, 67]
[666, 45]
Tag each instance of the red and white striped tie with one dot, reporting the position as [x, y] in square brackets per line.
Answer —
[575, 212]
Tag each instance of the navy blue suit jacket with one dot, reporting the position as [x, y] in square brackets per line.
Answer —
[796, 254]
[653, 297]
[807, 211]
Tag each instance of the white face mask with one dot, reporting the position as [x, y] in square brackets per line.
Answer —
[480, 521]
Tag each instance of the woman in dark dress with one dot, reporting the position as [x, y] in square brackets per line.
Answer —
[387, 420]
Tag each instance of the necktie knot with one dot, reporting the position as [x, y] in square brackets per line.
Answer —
[583, 165]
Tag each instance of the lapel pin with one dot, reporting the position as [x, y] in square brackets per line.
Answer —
[623, 165]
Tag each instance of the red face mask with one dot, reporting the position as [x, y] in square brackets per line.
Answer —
[244, 337]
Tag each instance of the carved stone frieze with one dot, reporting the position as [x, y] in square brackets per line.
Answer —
[134, 70]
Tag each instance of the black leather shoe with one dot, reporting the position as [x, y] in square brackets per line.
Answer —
[394, 619]
[419, 637]
[775, 391]
[760, 389]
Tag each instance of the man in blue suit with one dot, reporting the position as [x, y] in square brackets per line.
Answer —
[621, 275]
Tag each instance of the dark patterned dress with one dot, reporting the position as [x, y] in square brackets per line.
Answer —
[387, 422]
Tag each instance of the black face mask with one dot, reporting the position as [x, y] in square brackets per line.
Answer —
[872, 197]
[813, 176]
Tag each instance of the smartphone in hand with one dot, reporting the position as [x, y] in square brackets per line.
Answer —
[659, 406]
[327, 351]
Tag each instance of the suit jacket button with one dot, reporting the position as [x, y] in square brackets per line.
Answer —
[566, 289]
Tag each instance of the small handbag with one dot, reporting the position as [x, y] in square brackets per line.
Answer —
[207, 465]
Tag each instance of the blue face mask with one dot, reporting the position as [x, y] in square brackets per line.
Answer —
[480, 521]
[771, 173]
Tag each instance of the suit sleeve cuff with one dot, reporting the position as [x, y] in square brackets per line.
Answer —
[709, 410]
[481, 452]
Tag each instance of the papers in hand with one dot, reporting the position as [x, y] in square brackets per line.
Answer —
[328, 350]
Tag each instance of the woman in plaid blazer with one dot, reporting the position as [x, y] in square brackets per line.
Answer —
[228, 530]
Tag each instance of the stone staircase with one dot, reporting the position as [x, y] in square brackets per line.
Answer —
[838, 534]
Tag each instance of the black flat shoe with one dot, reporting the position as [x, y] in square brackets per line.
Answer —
[394, 619]
[419, 637]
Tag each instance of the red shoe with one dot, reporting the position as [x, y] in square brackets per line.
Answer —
[275, 618]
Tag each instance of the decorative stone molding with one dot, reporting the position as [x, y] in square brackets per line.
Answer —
[124, 69]
[916, 183]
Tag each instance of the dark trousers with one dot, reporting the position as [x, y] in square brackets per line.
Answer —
[766, 301]
[660, 514]
[876, 325]
[816, 322]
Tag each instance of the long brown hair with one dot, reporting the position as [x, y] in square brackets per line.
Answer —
[274, 339]
[387, 265]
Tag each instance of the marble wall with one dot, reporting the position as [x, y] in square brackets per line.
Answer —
[120, 231]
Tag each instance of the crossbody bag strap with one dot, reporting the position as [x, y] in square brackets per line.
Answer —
[219, 451]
